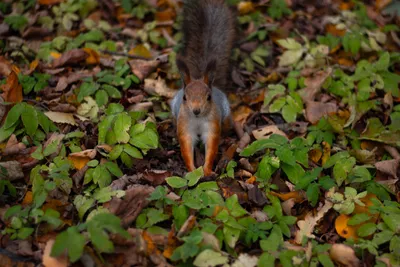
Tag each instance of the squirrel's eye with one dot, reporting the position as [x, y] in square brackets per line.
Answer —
[184, 97]
[209, 98]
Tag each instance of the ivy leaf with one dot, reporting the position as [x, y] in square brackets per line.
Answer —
[70, 240]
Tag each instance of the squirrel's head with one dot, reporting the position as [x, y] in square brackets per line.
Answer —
[197, 97]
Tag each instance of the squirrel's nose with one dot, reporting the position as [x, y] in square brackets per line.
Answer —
[196, 111]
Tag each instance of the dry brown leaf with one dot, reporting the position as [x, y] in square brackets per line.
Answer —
[315, 154]
[93, 58]
[49, 261]
[80, 159]
[265, 132]
[142, 68]
[316, 110]
[14, 170]
[344, 255]
[60, 117]
[314, 85]
[158, 87]
[131, 205]
[388, 167]
[5, 67]
[306, 226]
[13, 146]
[70, 57]
[12, 90]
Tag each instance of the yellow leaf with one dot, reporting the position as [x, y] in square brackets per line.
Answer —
[140, 50]
[245, 7]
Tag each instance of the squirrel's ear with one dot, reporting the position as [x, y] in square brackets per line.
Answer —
[183, 69]
[209, 73]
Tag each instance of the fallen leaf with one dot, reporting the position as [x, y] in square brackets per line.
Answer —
[142, 68]
[344, 255]
[313, 85]
[245, 260]
[388, 167]
[5, 66]
[267, 131]
[14, 170]
[12, 90]
[70, 57]
[140, 50]
[13, 146]
[93, 57]
[158, 87]
[316, 110]
[80, 159]
[131, 205]
[60, 117]
[306, 226]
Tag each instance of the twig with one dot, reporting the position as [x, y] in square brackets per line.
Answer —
[124, 55]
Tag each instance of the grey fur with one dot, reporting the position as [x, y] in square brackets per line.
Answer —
[218, 97]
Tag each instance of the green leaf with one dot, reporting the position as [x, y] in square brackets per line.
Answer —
[274, 240]
[132, 151]
[70, 240]
[99, 225]
[342, 168]
[101, 98]
[146, 138]
[313, 194]
[383, 63]
[112, 91]
[113, 168]
[210, 258]
[115, 152]
[12, 211]
[25, 232]
[266, 260]
[359, 174]
[176, 182]
[121, 126]
[277, 105]
[294, 173]
[194, 176]
[16, 22]
[13, 115]
[358, 219]
[30, 120]
[366, 229]
[325, 260]
[232, 203]
[382, 237]
[83, 204]
[285, 154]
[335, 158]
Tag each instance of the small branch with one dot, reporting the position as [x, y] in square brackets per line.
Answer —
[124, 55]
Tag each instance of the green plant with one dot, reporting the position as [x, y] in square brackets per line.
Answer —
[121, 129]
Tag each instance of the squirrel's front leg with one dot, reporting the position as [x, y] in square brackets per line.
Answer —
[186, 143]
[212, 142]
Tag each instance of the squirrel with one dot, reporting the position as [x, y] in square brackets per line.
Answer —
[201, 110]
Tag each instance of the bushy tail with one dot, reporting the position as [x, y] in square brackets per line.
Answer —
[208, 34]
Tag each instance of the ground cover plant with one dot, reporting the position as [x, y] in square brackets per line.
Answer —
[90, 167]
